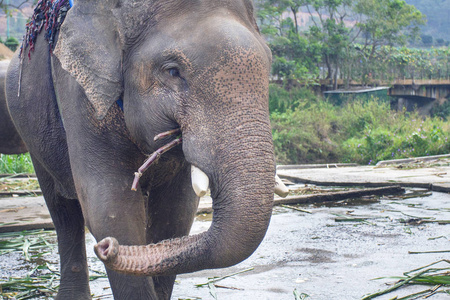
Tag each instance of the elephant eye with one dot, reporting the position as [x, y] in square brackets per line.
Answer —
[174, 72]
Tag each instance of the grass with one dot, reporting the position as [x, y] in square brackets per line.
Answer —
[14, 164]
[11, 185]
[300, 296]
[212, 282]
[43, 278]
[438, 278]
[32, 243]
[216, 279]
[31, 286]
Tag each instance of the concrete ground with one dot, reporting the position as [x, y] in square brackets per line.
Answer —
[315, 253]
[326, 259]
[435, 177]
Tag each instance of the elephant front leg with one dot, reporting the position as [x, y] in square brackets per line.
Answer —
[69, 224]
[112, 209]
[171, 211]
[103, 160]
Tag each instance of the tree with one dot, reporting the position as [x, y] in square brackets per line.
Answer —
[388, 22]
[427, 39]
[294, 7]
[385, 22]
[12, 43]
[294, 58]
[8, 6]
[343, 35]
[275, 12]
[330, 31]
[17, 13]
[438, 25]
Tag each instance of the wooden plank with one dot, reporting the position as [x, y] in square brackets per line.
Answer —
[341, 195]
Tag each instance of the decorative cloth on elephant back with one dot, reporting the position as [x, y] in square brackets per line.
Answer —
[48, 15]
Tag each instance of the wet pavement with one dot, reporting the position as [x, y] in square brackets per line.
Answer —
[334, 260]
[332, 252]
[317, 253]
[433, 177]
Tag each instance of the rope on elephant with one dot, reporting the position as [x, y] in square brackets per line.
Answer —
[48, 15]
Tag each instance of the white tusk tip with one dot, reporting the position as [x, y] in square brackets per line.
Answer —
[200, 181]
[280, 189]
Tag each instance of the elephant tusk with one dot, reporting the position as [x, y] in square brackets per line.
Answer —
[200, 181]
[280, 189]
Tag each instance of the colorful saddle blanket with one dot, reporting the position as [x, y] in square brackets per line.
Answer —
[48, 15]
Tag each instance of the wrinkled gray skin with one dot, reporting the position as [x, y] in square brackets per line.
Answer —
[10, 141]
[199, 65]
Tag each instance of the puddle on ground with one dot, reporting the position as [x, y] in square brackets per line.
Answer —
[333, 252]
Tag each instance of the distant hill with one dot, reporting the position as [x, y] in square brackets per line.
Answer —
[438, 16]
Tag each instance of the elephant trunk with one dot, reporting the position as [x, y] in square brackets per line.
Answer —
[242, 193]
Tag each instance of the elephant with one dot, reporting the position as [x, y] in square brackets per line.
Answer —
[88, 107]
[10, 140]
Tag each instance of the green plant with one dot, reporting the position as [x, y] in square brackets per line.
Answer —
[437, 278]
[303, 135]
[409, 135]
[42, 280]
[360, 130]
[442, 111]
[13, 164]
[282, 98]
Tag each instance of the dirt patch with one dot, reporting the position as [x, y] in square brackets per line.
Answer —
[5, 52]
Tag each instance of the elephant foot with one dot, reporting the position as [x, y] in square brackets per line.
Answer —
[73, 293]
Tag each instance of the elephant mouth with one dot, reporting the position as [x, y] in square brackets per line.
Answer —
[200, 181]
[154, 157]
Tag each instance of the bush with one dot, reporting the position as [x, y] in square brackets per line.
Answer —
[420, 137]
[12, 43]
[441, 111]
[359, 131]
[303, 135]
[281, 99]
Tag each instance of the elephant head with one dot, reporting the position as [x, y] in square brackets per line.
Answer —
[200, 66]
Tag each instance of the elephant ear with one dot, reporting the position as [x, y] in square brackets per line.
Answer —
[89, 48]
[251, 14]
